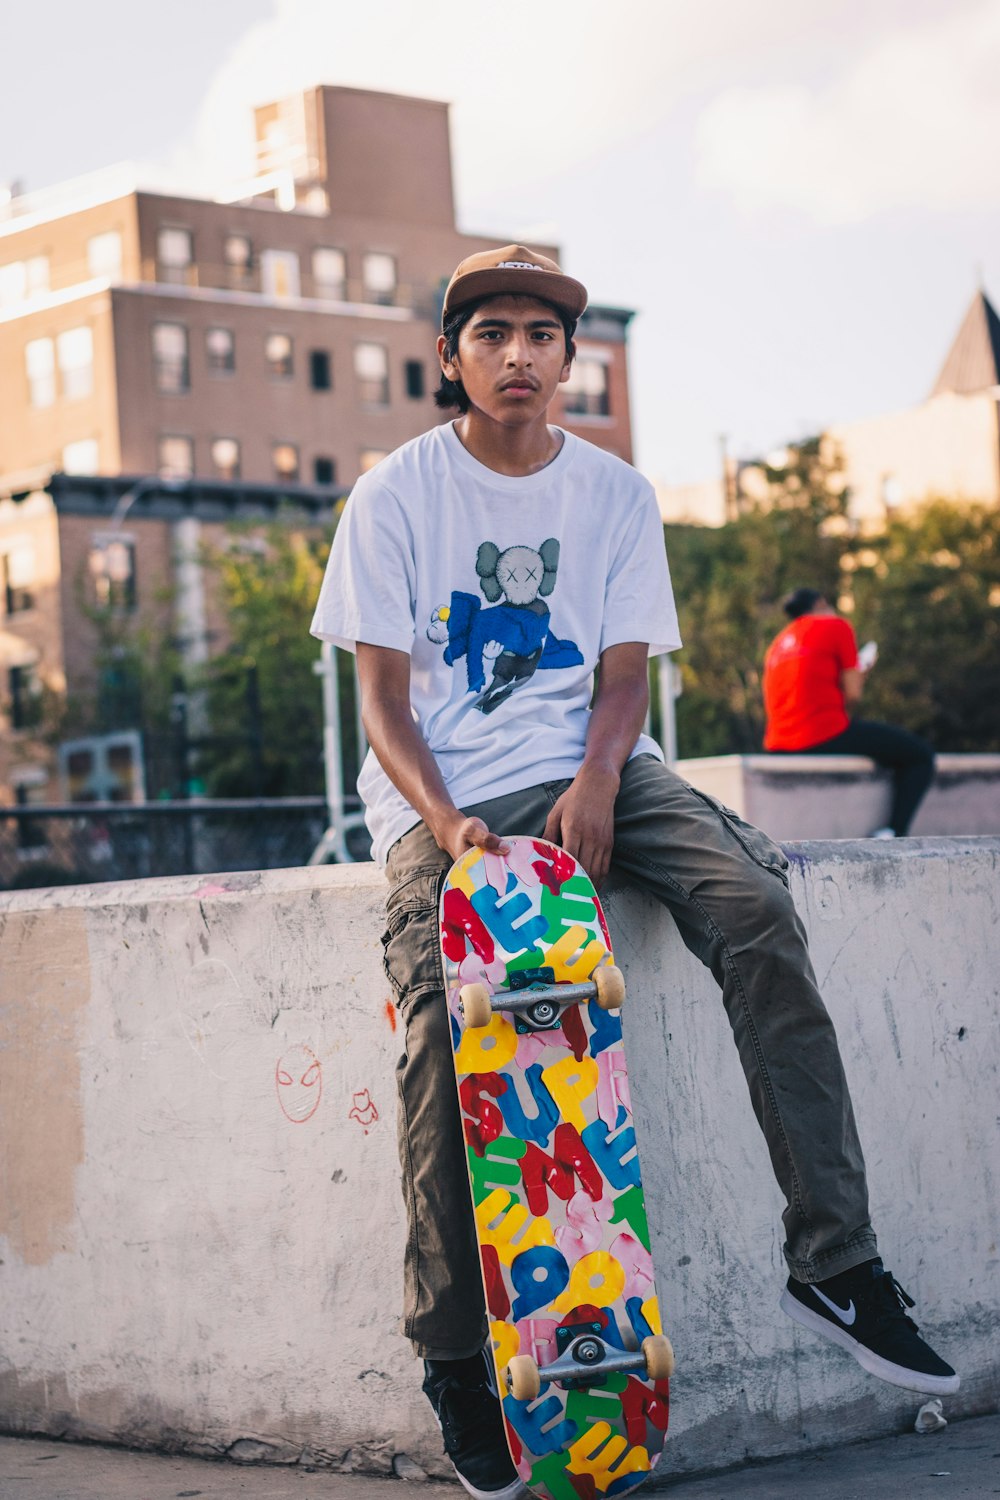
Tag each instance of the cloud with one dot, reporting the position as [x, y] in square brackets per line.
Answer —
[535, 88]
[913, 122]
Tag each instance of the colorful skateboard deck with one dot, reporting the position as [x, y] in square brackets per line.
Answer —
[558, 1202]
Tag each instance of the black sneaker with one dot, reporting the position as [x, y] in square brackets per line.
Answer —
[464, 1396]
[862, 1310]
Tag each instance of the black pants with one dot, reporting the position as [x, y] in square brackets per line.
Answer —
[906, 755]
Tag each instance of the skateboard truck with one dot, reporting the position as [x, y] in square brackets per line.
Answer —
[584, 1355]
[539, 1007]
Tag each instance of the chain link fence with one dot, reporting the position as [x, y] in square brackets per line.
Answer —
[79, 844]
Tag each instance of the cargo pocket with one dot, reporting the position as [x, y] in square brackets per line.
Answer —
[761, 849]
[411, 945]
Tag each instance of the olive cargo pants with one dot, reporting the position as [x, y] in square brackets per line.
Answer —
[726, 888]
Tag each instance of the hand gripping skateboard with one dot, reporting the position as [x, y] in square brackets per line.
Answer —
[534, 999]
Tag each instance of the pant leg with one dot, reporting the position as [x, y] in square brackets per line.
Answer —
[725, 885]
[444, 1313]
[909, 757]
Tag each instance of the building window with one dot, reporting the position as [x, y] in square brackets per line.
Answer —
[286, 460]
[324, 471]
[17, 566]
[585, 393]
[175, 457]
[40, 361]
[370, 457]
[320, 377]
[175, 255]
[112, 568]
[25, 697]
[23, 279]
[81, 457]
[171, 367]
[414, 375]
[278, 353]
[329, 268]
[237, 252]
[379, 275]
[75, 355]
[104, 255]
[371, 366]
[226, 457]
[220, 351]
[279, 273]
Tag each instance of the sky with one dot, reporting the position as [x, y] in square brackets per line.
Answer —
[799, 198]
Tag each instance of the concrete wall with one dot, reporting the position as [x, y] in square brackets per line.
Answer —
[199, 1217]
[845, 796]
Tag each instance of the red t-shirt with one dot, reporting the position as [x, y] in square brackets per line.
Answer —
[803, 698]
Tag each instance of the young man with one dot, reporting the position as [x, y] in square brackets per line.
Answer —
[813, 680]
[482, 573]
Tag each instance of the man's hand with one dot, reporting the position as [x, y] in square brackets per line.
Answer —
[458, 833]
[583, 820]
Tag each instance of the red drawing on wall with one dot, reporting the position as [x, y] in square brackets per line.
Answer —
[363, 1109]
[298, 1079]
[390, 1014]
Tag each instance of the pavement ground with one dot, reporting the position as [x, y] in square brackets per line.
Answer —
[959, 1463]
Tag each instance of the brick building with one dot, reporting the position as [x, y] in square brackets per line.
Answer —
[277, 343]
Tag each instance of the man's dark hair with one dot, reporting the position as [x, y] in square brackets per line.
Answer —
[801, 602]
[451, 393]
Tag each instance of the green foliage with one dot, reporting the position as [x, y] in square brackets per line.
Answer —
[261, 697]
[729, 582]
[927, 589]
[136, 664]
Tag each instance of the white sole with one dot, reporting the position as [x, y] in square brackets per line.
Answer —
[910, 1380]
[515, 1491]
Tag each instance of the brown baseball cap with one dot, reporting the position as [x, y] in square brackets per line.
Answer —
[513, 271]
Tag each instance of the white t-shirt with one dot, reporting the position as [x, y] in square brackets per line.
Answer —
[504, 592]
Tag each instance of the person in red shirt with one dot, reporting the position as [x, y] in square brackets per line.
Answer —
[812, 683]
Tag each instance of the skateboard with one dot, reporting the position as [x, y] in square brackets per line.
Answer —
[534, 999]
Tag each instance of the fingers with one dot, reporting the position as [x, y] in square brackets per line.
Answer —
[476, 835]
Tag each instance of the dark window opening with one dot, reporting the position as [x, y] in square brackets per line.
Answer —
[320, 376]
[324, 471]
[25, 698]
[414, 376]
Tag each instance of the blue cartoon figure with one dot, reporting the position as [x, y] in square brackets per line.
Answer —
[512, 639]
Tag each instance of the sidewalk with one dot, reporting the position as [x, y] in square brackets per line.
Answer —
[961, 1463]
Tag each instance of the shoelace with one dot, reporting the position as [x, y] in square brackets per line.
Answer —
[891, 1300]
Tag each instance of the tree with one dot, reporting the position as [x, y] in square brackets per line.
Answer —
[729, 582]
[928, 590]
[261, 697]
[926, 587]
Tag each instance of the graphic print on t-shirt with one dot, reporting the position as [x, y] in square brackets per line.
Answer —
[511, 639]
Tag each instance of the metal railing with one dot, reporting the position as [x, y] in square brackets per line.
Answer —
[79, 844]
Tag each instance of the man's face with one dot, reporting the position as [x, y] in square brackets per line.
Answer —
[511, 359]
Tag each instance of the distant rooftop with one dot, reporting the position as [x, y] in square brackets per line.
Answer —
[973, 361]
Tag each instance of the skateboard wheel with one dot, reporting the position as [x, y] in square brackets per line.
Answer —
[610, 982]
[476, 1005]
[523, 1379]
[659, 1356]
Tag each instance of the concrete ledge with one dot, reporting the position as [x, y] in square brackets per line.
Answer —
[200, 1221]
[846, 796]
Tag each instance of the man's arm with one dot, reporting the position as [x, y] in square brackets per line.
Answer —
[405, 756]
[583, 819]
[851, 683]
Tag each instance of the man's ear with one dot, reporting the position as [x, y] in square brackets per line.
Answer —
[449, 367]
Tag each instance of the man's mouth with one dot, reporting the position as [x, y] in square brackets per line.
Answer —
[521, 384]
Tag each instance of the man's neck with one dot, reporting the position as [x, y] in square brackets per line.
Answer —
[514, 451]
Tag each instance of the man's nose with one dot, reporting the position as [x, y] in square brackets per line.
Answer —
[519, 349]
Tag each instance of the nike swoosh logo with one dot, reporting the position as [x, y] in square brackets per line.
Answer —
[846, 1314]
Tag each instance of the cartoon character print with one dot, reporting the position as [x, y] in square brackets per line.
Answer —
[512, 639]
